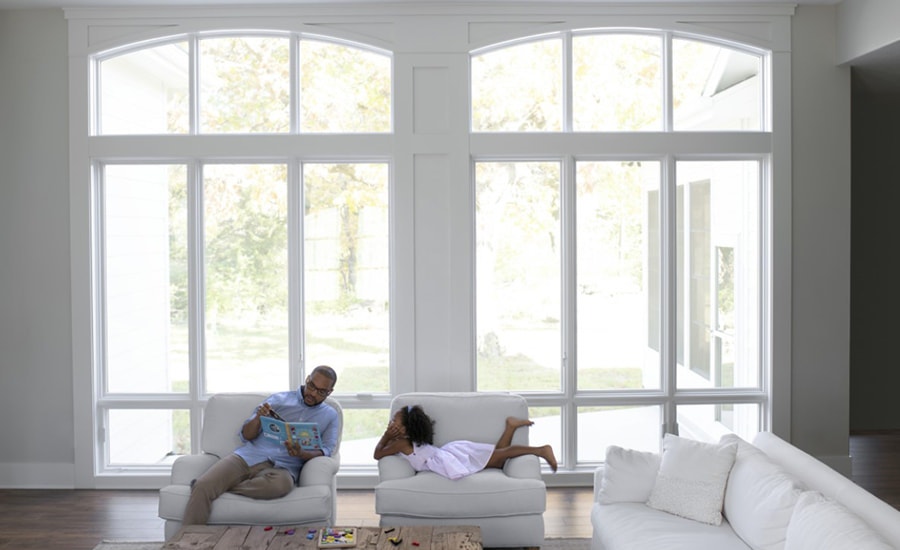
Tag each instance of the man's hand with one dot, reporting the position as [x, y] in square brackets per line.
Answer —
[265, 410]
[294, 449]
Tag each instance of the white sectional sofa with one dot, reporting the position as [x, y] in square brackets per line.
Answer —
[773, 496]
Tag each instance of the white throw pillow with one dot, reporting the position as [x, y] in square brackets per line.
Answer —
[759, 497]
[628, 475]
[691, 479]
[820, 523]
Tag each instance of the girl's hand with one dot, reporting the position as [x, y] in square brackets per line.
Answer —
[393, 431]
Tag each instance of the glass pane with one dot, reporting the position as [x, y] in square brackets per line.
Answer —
[362, 430]
[717, 216]
[343, 89]
[145, 92]
[518, 88]
[518, 254]
[715, 88]
[711, 422]
[149, 437]
[145, 261]
[547, 430]
[245, 84]
[628, 427]
[617, 82]
[346, 277]
[617, 275]
[245, 253]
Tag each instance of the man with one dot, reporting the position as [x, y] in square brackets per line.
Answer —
[263, 468]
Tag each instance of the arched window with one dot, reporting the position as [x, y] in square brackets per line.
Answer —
[636, 238]
[227, 262]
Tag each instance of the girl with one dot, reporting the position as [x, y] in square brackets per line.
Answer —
[411, 434]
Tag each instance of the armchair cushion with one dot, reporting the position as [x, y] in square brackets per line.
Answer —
[488, 493]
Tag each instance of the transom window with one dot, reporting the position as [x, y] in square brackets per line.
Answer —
[246, 84]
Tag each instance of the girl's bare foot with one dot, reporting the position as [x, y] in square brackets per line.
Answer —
[546, 453]
[513, 422]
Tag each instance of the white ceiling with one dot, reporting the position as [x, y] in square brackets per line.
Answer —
[20, 4]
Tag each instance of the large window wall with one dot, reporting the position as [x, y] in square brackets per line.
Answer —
[583, 215]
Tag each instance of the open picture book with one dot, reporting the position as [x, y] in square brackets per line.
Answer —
[306, 434]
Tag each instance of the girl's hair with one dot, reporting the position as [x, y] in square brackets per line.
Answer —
[419, 426]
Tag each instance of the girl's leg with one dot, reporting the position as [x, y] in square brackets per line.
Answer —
[512, 424]
[502, 454]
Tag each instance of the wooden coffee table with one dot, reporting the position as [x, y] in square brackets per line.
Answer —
[246, 537]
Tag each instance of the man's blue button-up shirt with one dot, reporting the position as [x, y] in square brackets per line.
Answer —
[290, 406]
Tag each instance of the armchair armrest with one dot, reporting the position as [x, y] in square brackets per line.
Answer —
[318, 471]
[190, 467]
[523, 467]
[394, 467]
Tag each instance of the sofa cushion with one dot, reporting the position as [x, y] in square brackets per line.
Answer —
[302, 506]
[628, 475]
[488, 493]
[692, 477]
[636, 526]
[819, 523]
[759, 497]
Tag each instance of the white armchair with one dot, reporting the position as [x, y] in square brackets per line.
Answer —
[507, 504]
[312, 502]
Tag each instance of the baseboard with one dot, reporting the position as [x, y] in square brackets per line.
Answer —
[30, 475]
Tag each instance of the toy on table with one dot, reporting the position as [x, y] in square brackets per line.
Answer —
[337, 537]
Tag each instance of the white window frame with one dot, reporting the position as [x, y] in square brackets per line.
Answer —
[431, 43]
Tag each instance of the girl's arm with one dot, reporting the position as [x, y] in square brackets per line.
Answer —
[391, 443]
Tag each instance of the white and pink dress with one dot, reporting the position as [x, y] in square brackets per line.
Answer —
[452, 460]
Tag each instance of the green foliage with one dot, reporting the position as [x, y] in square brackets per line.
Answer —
[343, 89]
[364, 423]
[246, 240]
[246, 84]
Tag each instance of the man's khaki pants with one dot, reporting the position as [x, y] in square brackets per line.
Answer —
[231, 474]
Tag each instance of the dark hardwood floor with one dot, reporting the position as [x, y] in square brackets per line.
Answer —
[876, 463]
[79, 519]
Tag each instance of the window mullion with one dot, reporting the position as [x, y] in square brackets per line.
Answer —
[569, 314]
[669, 280]
[296, 344]
[194, 85]
[196, 290]
[667, 91]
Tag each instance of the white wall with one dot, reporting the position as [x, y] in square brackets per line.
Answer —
[821, 240]
[35, 326]
[866, 25]
[35, 298]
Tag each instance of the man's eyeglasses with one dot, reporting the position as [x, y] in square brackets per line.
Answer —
[322, 392]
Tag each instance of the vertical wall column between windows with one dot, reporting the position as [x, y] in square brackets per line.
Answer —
[434, 231]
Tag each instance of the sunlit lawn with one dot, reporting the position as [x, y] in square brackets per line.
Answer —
[243, 347]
